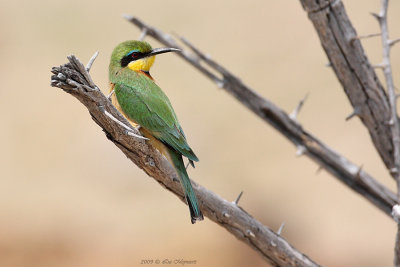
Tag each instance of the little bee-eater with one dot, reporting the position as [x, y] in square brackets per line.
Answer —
[146, 107]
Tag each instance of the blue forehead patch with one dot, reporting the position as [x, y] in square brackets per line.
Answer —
[132, 51]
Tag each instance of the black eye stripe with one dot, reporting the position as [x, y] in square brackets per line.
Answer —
[131, 57]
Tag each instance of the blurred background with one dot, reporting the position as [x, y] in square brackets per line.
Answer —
[69, 197]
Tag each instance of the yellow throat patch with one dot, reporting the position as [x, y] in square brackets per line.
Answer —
[143, 64]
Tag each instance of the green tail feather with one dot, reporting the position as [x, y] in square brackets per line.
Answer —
[195, 212]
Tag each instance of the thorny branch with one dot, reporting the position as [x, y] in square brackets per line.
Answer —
[357, 76]
[74, 78]
[347, 172]
[394, 121]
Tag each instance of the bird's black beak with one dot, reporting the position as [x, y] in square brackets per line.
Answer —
[162, 50]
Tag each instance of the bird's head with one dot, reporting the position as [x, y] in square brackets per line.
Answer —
[136, 55]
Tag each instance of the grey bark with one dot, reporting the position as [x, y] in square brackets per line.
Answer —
[355, 73]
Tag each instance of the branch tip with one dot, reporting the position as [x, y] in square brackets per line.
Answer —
[91, 60]
[128, 17]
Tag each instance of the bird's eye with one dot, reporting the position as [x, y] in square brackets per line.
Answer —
[131, 56]
[135, 54]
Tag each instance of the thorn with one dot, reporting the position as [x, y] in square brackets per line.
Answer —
[393, 42]
[226, 215]
[110, 95]
[300, 150]
[396, 213]
[320, 168]
[91, 60]
[379, 66]
[329, 64]
[356, 112]
[358, 173]
[238, 198]
[394, 170]
[377, 16]
[352, 40]
[280, 228]
[187, 165]
[390, 122]
[220, 83]
[296, 111]
[250, 233]
[143, 34]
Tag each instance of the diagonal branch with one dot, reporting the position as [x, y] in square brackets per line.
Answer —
[337, 165]
[75, 79]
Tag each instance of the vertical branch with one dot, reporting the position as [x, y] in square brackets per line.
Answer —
[348, 60]
[393, 122]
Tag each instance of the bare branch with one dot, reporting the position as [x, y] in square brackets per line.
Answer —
[74, 79]
[337, 165]
[394, 122]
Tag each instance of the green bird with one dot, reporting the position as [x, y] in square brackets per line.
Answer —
[146, 107]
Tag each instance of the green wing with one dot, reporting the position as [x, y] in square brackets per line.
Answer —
[143, 102]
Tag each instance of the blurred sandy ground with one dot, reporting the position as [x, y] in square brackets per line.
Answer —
[69, 197]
